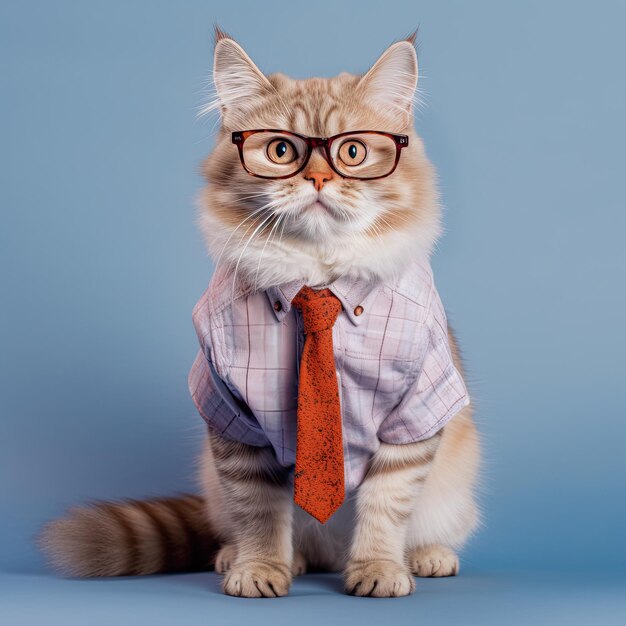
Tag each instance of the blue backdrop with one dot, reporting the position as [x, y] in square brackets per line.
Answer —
[101, 262]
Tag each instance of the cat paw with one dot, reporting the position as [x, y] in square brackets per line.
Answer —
[298, 566]
[225, 557]
[257, 579]
[433, 561]
[378, 579]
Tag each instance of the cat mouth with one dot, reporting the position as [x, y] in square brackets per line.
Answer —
[320, 207]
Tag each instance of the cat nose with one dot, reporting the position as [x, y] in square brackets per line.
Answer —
[319, 179]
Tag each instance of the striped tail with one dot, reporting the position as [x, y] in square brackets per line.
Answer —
[131, 537]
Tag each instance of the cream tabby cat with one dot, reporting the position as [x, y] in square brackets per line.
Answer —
[416, 504]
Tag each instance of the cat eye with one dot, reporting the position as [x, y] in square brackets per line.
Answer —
[352, 152]
[281, 151]
[362, 154]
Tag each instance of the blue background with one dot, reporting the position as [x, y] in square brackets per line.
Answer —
[101, 264]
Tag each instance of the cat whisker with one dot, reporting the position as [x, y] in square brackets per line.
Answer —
[252, 236]
[269, 237]
[384, 246]
[255, 212]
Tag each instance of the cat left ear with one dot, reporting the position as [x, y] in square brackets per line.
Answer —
[392, 80]
[238, 81]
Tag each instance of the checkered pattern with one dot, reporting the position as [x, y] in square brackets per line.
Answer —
[397, 381]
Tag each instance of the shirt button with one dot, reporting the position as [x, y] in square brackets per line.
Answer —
[278, 306]
[358, 311]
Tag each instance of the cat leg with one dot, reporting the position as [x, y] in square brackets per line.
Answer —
[446, 514]
[227, 555]
[385, 501]
[258, 500]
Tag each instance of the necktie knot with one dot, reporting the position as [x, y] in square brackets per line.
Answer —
[320, 309]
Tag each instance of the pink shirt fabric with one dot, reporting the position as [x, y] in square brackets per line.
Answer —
[397, 380]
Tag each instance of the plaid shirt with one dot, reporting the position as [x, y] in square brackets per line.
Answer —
[397, 381]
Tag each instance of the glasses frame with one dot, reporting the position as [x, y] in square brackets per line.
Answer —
[239, 138]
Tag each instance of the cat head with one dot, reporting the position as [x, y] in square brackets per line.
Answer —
[317, 225]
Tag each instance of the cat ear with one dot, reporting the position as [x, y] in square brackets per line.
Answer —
[392, 80]
[238, 81]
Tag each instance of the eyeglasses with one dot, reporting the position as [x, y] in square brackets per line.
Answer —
[362, 154]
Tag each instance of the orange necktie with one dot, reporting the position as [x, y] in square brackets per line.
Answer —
[319, 480]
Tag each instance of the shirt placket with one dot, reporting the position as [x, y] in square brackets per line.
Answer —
[299, 339]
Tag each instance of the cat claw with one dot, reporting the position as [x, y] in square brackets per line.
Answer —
[378, 579]
[434, 561]
[257, 579]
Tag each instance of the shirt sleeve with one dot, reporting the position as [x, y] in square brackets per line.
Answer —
[438, 392]
[219, 408]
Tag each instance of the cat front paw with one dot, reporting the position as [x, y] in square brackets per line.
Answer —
[257, 579]
[434, 561]
[378, 579]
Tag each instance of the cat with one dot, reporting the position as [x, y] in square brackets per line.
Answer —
[415, 504]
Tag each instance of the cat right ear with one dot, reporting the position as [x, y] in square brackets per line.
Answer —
[392, 81]
[238, 82]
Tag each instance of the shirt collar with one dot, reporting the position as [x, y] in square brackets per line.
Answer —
[352, 294]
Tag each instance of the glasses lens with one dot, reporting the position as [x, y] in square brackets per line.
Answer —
[273, 154]
[364, 155]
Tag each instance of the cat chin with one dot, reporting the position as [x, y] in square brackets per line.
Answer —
[319, 262]
[315, 226]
